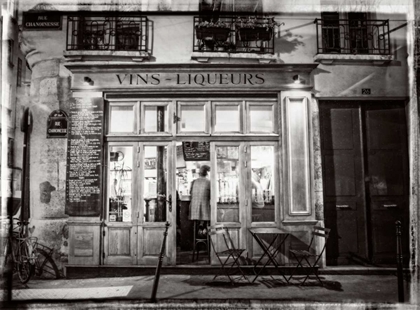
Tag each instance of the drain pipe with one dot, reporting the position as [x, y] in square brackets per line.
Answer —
[400, 278]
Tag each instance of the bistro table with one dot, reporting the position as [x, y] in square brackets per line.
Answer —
[270, 250]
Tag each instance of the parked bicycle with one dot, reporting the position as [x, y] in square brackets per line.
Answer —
[20, 251]
[45, 267]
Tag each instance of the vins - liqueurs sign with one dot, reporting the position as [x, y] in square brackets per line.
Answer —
[57, 124]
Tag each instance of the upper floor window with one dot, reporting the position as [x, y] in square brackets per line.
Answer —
[352, 33]
[93, 32]
[216, 31]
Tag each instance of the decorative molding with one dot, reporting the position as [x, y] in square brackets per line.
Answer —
[72, 56]
[206, 56]
[43, 6]
[328, 59]
[84, 223]
[300, 222]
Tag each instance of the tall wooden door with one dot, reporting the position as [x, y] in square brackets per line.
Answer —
[156, 202]
[245, 183]
[365, 171]
[344, 197]
[139, 193]
[386, 176]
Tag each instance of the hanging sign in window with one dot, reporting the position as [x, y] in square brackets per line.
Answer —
[57, 124]
[196, 151]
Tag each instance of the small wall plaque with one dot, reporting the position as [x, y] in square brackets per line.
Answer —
[57, 124]
[365, 91]
[41, 21]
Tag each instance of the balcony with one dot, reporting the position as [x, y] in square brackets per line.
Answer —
[344, 39]
[226, 35]
[107, 35]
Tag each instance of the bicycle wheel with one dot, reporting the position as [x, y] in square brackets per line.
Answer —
[45, 267]
[24, 267]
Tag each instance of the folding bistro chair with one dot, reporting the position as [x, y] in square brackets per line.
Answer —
[233, 254]
[303, 257]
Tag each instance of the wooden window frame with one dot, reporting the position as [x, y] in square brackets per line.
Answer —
[156, 103]
[274, 110]
[125, 103]
[241, 120]
[207, 113]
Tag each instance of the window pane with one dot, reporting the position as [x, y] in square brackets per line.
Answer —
[193, 118]
[263, 190]
[261, 118]
[154, 183]
[227, 183]
[122, 119]
[155, 119]
[120, 176]
[227, 118]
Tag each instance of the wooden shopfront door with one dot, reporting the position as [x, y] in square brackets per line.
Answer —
[365, 173]
[140, 191]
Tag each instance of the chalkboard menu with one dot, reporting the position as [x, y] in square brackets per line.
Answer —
[196, 151]
[84, 154]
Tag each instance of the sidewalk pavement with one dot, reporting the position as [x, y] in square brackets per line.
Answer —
[196, 291]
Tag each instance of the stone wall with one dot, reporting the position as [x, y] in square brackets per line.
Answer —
[50, 90]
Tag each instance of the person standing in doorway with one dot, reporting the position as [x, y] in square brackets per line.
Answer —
[200, 200]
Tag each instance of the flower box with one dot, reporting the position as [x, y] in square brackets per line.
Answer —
[255, 34]
[212, 33]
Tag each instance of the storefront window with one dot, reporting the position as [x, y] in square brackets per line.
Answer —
[262, 178]
[122, 119]
[227, 183]
[120, 182]
[155, 118]
[227, 118]
[261, 118]
[154, 183]
[193, 118]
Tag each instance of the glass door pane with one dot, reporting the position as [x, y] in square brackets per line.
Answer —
[120, 183]
[227, 183]
[155, 178]
[262, 183]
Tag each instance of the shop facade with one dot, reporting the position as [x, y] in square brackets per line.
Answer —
[291, 128]
[244, 122]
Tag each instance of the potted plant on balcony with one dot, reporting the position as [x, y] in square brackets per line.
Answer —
[212, 32]
[252, 30]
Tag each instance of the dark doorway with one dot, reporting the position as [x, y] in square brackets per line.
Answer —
[365, 173]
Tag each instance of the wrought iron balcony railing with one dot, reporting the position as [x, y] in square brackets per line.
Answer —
[343, 36]
[113, 33]
[234, 34]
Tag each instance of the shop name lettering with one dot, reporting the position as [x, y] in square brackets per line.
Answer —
[200, 79]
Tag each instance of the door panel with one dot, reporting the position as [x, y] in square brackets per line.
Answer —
[343, 182]
[365, 174]
[155, 192]
[120, 231]
[119, 241]
[387, 170]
